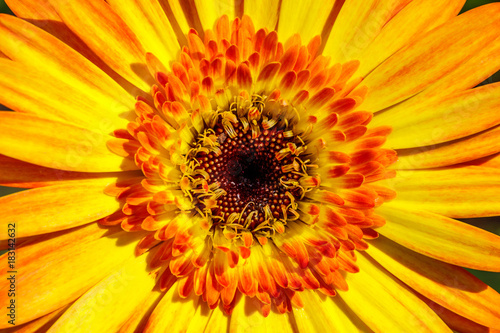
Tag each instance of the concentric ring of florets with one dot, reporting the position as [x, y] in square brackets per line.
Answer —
[239, 83]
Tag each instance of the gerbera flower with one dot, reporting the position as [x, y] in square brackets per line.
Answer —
[249, 166]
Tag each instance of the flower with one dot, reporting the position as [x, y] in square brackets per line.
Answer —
[249, 166]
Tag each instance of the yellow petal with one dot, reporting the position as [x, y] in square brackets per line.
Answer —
[57, 145]
[442, 119]
[306, 18]
[357, 24]
[440, 237]
[148, 21]
[218, 322]
[385, 304]
[247, 317]
[431, 57]
[173, 313]
[29, 45]
[138, 319]
[62, 268]
[58, 101]
[53, 208]
[15, 173]
[210, 11]
[322, 314]
[455, 192]
[450, 153]
[262, 18]
[200, 318]
[118, 294]
[417, 17]
[450, 286]
[40, 324]
[465, 75]
[108, 36]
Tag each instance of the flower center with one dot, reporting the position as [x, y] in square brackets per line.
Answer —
[250, 174]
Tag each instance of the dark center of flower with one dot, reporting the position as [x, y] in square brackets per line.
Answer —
[251, 173]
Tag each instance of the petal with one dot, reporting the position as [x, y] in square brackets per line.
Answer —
[57, 145]
[455, 192]
[450, 286]
[64, 267]
[218, 322]
[137, 320]
[43, 15]
[58, 100]
[53, 208]
[443, 119]
[431, 57]
[39, 324]
[349, 33]
[306, 18]
[210, 11]
[450, 153]
[165, 316]
[440, 237]
[148, 21]
[119, 294]
[385, 304]
[105, 33]
[323, 313]
[247, 317]
[456, 322]
[370, 31]
[29, 45]
[263, 18]
[476, 69]
[15, 173]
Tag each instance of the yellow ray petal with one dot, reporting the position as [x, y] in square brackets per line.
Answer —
[442, 119]
[173, 313]
[492, 161]
[148, 21]
[53, 208]
[118, 294]
[108, 36]
[322, 314]
[16, 173]
[450, 286]
[200, 318]
[455, 192]
[62, 268]
[29, 45]
[38, 325]
[59, 100]
[306, 18]
[182, 16]
[210, 11]
[57, 145]
[247, 317]
[431, 57]
[455, 321]
[39, 10]
[450, 153]
[218, 322]
[467, 74]
[138, 319]
[440, 237]
[385, 304]
[263, 18]
[417, 17]
[357, 24]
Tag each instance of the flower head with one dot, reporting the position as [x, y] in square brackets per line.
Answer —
[202, 166]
